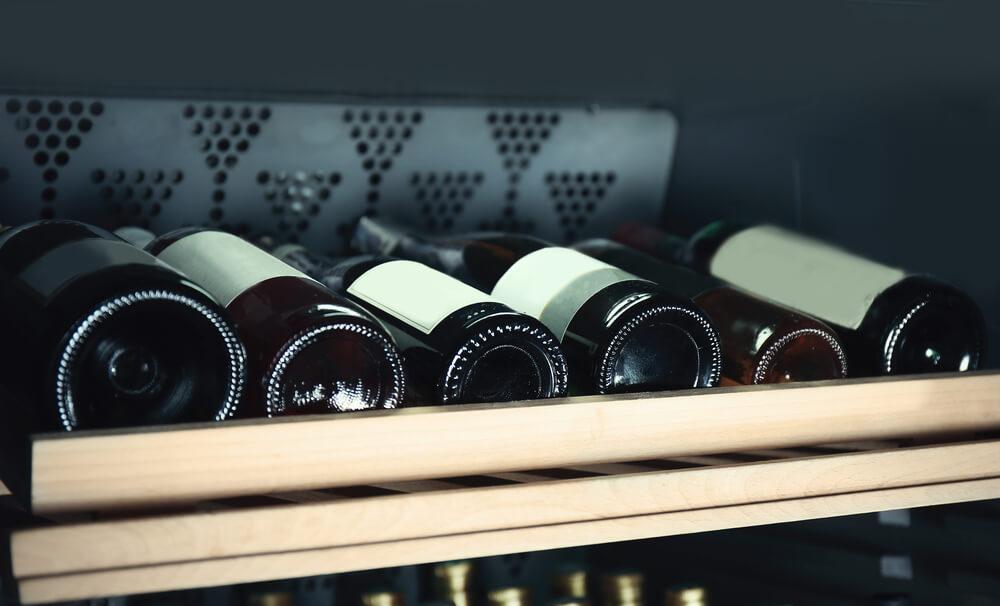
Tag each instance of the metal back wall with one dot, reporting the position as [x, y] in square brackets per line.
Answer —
[873, 123]
[305, 171]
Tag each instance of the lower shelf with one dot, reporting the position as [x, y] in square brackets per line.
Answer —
[390, 524]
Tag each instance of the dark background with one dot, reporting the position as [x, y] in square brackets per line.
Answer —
[871, 122]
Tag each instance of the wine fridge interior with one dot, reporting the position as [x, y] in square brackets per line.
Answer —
[870, 125]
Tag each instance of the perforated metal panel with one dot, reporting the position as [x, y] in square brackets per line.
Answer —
[305, 171]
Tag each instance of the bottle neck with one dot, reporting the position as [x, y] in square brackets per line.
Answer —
[651, 240]
[695, 252]
[375, 238]
[476, 259]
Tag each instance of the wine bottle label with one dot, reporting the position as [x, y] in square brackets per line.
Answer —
[819, 279]
[224, 264]
[414, 293]
[58, 266]
[552, 284]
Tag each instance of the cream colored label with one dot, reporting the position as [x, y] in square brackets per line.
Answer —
[415, 293]
[552, 284]
[223, 264]
[799, 272]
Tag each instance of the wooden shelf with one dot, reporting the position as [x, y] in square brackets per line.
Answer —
[411, 522]
[616, 469]
[183, 464]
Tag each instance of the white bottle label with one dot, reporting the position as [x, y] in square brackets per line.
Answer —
[224, 264]
[416, 294]
[817, 278]
[552, 284]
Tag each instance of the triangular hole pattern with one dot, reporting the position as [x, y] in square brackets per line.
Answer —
[296, 198]
[519, 136]
[442, 196]
[52, 131]
[576, 195]
[135, 196]
[224, 133]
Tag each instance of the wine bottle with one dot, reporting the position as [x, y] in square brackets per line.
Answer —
[310, 351]
[382, 598]
[889, 322]
[453, 582]
[620, 333]
[275, 593]
[100, 334]
[509, 596]
[686, 596]
[570, 582]
[459, 344]
[762, 342]
[623, 589]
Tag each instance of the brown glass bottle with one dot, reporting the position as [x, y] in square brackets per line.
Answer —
[509, 596]
[623, 589]
[382, 598]
[689, 595]
[762, 342]
[452, 582]
[570, 582]
[310, 350]
[98, 334]
[890, 322]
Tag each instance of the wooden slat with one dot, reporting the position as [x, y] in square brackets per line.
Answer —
[178, 464]
[137, 541]
[221, 571]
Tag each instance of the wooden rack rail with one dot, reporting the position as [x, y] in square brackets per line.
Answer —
[661, 474]
[183, 464]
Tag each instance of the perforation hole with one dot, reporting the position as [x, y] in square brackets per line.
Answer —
[575, 197]
[134, 195]
[516, 135]
[444, 195]
[296, 196]
[226, 125]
